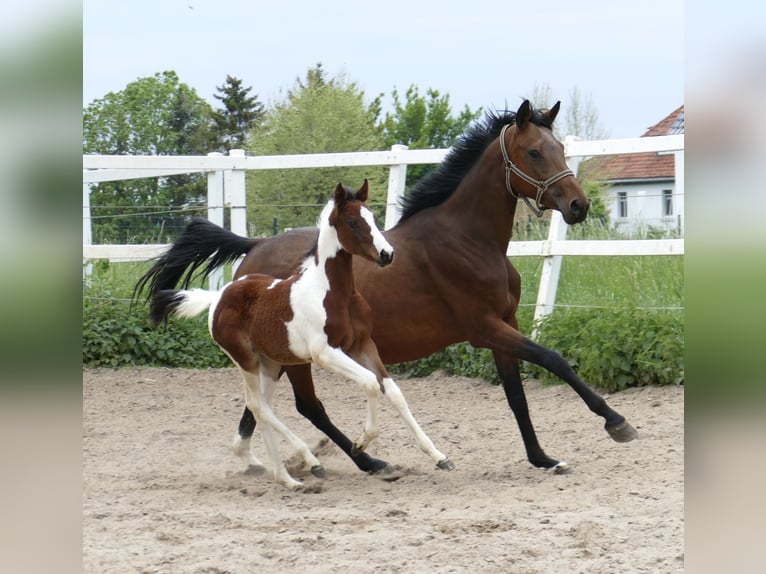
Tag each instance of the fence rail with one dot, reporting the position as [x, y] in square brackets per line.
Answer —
[226, 187]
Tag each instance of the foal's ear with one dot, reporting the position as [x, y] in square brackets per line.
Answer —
[363, 192]
[553, 112]
[523, 114]
[340, 196]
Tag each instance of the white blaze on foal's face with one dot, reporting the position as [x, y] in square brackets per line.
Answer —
[380, 243]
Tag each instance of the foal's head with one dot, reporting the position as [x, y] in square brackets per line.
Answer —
[355, 225]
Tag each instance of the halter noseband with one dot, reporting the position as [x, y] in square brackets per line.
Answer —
[540, 185]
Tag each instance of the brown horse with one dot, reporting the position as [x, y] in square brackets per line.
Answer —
[452, 281]
[316, 315]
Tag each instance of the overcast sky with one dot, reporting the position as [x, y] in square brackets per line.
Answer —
[626, 56]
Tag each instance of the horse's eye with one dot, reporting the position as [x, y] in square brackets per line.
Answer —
[352, 223]
[534, 154]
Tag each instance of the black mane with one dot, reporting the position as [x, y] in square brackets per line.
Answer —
[440, 184]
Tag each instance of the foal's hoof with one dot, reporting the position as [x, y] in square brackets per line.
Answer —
[318, 471]
[446, 464]
[622, 432]
[255, 469]
[389, 473]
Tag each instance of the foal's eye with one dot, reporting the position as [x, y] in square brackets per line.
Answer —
[352, 223]
[534, 154]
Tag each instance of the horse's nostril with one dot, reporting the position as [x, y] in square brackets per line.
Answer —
[576, 207]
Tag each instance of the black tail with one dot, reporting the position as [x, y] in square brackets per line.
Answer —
[200, 242]
[163, 303]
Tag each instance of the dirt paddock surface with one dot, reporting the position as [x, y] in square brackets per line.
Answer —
[163, 492]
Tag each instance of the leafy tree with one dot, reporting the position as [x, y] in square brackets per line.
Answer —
[156, 115]
[423, 122]
[318, 115]
[239, 115]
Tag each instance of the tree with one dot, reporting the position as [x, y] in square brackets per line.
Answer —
[239, 115]
[580, 117]
[424, 122]
[156, 115]
[318, 115]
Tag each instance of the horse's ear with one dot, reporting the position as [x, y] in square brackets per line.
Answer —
[524, 114]
[363, 192]
[553, 112]
[340, 196]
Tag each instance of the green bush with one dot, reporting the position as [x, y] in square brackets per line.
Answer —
[113, 335]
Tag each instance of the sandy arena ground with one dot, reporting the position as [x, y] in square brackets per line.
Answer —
[163, 492]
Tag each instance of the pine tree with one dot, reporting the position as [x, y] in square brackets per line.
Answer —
[238, 116]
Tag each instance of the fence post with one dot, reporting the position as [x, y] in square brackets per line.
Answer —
[215, 203]
[87, 232]
[397, 178]
[235, 189]
[679, 191]
[549, 278]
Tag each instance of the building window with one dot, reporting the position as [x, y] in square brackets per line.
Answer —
[622, 204]
[667, 202]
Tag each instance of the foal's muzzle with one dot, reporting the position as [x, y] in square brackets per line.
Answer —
[385, 259]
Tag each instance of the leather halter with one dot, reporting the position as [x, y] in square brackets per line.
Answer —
[541, 185]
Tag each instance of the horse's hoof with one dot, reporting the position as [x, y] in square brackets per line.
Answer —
[255, 469]
[622, 432]
[446, 464]
[318, 471]
[559, 468]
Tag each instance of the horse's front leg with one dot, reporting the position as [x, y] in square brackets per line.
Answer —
[504, 340]
[508, 369]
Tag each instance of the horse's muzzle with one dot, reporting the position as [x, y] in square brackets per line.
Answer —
[385, 259]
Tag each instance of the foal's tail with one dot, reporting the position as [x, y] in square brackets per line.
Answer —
[185, 304]
[202, 244]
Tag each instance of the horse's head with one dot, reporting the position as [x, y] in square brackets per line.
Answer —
[356, 228]
[535, 167]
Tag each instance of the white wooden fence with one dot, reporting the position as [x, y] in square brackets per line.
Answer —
[226, 187]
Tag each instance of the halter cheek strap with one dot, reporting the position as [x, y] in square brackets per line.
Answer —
[541, 185]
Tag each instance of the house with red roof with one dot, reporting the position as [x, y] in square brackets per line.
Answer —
[641, 188]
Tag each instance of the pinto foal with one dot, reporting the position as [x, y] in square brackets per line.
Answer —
[316, 315]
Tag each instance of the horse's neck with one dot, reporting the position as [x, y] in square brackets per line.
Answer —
[481, 204]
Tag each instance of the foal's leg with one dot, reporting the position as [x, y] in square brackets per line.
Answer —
[241, 444]
[336, 360]
[268, 372]
[370, 359]
[269, 375]
[309, 405]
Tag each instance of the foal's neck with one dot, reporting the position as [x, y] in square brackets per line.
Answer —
[334, 262]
